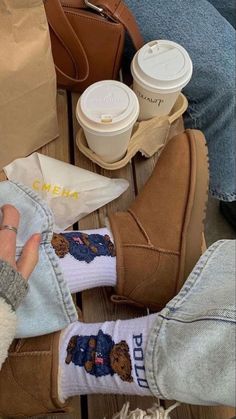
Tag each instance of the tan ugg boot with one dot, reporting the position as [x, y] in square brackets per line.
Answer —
[29, 377]
[158, 240]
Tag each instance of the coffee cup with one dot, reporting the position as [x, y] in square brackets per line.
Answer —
[160, 70]
[107, 112]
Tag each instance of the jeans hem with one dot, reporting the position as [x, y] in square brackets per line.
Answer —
[150, 358]
[169, 313]
[65, 301]
[227, 197]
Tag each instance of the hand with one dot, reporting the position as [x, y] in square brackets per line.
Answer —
[29, 256]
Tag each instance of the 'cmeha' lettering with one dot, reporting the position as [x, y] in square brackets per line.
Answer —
[54, 189]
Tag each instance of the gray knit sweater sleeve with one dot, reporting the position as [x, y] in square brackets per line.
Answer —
[13, 287]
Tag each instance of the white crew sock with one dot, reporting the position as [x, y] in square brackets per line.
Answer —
[104, 358]
[93, 269]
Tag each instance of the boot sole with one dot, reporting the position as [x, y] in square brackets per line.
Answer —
[192, 234]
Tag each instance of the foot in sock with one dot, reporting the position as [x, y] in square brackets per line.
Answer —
[104, 358]
[156, 245]
[87, 258]
[41, 372]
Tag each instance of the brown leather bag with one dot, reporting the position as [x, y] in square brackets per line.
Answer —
[88, 39]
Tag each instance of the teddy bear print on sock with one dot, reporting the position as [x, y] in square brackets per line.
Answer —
[104, 358]
[87, 258]
[100, 355]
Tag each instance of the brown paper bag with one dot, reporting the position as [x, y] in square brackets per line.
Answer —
[28, 117]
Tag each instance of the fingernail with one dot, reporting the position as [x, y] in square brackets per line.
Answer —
[37, 237]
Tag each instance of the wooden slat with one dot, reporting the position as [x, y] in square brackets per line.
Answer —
[97, 306]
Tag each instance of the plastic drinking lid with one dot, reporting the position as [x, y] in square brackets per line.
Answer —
[162, 65]
[108, 102]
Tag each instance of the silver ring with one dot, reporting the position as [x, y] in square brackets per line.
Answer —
[8, 227]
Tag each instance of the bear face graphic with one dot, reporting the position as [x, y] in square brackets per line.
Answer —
[60, 245]
[120, 361]
[100, 356]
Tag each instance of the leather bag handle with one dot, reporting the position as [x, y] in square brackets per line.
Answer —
[64, 31]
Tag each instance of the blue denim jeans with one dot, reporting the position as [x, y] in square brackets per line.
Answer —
[191, 350]
[48, 305]
[210, 40]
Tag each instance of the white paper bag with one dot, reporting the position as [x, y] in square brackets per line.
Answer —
[70, 192]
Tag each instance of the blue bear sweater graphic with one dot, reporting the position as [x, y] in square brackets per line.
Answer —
[94, 351]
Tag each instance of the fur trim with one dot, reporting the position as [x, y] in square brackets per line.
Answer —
[156, 412]
[7, 329]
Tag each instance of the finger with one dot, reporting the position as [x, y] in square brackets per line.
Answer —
[10, 217]
[29, 256]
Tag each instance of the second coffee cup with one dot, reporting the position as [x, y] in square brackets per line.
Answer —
[107, 112]
[160, 70]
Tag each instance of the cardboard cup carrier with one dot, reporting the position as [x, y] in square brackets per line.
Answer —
[107, 112]
[160, 70]
[148, 137]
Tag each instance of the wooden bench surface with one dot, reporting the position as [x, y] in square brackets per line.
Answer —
[95, 303]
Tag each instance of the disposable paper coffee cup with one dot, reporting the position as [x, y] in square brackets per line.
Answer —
[160, 70]
[107, 112]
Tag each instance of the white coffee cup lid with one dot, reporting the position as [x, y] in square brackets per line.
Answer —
[107, 106]
[162, 65]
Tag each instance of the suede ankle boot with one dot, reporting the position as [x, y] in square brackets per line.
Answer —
[29, 376]
[158, 240]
